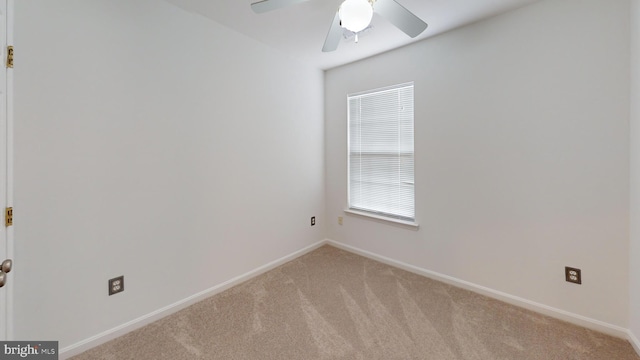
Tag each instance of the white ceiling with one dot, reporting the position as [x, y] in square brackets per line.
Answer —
[299, 30]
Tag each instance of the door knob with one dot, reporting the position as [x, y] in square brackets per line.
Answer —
[3, 278]
[6, 266]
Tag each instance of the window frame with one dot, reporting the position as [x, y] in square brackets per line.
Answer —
[370, 213]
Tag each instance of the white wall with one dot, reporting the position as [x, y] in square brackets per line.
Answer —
[634, 268]
[154, 144]
[522, 153]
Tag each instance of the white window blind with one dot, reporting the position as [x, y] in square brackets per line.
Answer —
[381, 179]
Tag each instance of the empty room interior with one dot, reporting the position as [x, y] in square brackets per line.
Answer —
[183, 147]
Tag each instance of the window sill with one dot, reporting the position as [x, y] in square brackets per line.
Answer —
[404, 223]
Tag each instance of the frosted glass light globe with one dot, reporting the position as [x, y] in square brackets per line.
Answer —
[355, 15]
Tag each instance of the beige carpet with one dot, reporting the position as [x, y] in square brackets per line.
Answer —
[331, 304]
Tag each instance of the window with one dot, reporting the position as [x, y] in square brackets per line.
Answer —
[381, 181]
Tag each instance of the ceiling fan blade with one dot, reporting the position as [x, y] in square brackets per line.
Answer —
[268, 5]
[402, 18]
[333, 37]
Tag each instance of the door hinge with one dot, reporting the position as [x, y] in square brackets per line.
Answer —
[10, 57]
[8, 217]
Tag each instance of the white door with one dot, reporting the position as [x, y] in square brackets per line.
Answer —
[6, 172]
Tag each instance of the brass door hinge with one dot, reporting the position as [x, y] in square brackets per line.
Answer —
[10, 57]
[8, 217]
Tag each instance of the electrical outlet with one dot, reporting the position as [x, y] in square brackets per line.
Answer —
[339, 220]
[573, 275]
[116, 285]
[313, 220]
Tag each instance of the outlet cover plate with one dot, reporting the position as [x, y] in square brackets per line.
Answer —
[573, 275]
[116, 285]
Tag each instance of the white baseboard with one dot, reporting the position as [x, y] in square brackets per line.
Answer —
[576, 319]
[634, 341]
[120, 330]
[580, 320]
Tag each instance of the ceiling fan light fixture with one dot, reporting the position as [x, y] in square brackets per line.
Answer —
[355, 15]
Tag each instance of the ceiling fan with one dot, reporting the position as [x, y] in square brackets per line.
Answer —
[355, 16]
